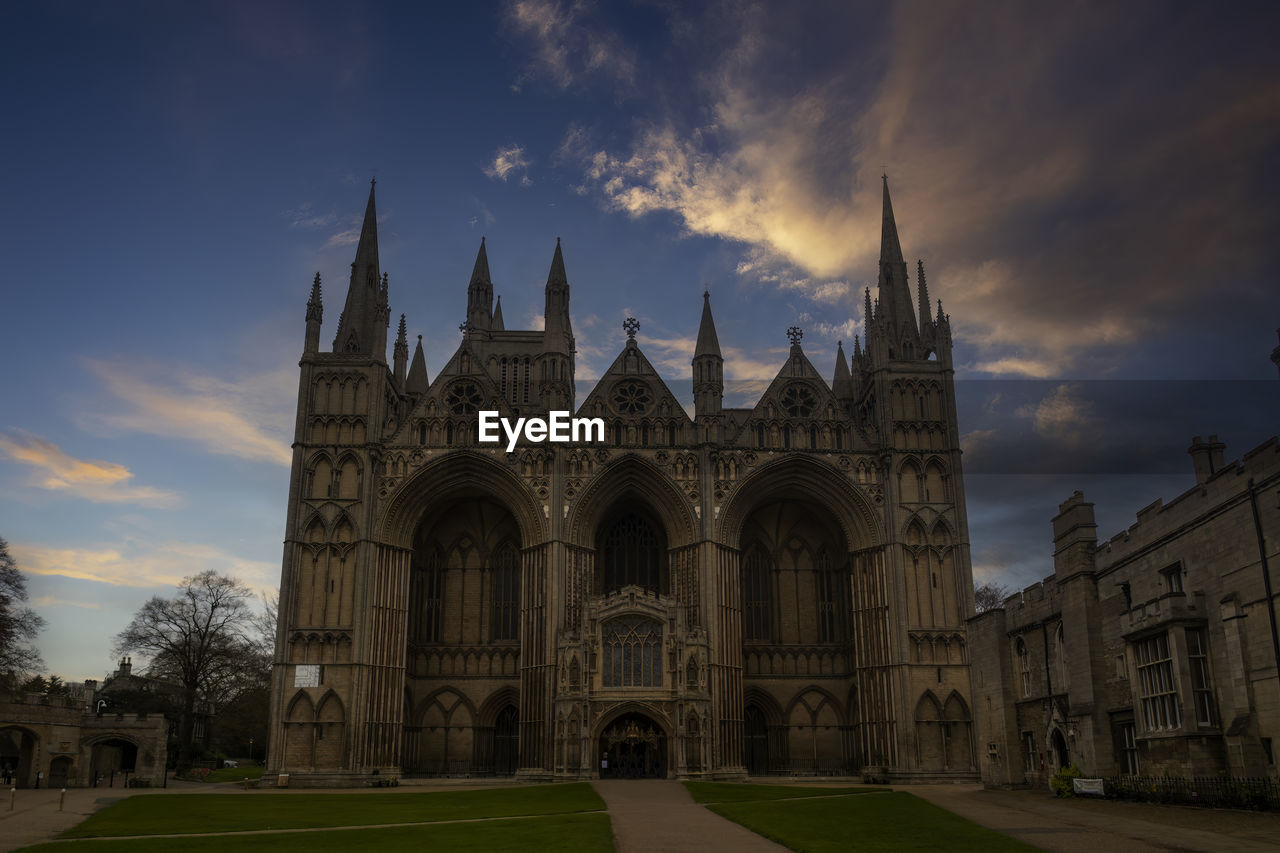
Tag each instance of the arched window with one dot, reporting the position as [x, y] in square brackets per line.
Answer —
[756, 595]
[632, 651]
[428, 596]
[422, 433]
[671, 435]
[1024, 666]
[813, 438]
[828, 587]
[617, 434]
[760, 435]
[1060, 655]
[632, 553]
[506, 592]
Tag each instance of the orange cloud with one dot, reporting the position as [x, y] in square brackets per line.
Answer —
[100, 482]
[138, 563]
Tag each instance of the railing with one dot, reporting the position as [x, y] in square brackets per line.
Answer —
[811, 767]
[1227, 792]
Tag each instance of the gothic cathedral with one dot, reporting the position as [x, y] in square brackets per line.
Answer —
[778, 589]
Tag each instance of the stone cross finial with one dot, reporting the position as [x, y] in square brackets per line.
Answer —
[795, 333]
[631, 325]
[464, 327]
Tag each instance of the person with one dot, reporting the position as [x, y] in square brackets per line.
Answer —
[8, 773]
[39, 776]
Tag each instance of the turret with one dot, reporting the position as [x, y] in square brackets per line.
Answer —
[359, 320]
[708, 366]
[498, 325]
[842, 381]
[480, 293]
[897, 317]
[416, 382]
[401, 354]
[315, 314]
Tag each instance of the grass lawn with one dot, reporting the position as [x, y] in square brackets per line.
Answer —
[733, 792]
[889, 822]
[158, 814]
[574, 833]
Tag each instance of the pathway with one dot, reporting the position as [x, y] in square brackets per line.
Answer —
[659, 815]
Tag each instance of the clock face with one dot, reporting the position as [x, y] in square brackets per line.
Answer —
[464, 398]
[798, 401]
[631, 397]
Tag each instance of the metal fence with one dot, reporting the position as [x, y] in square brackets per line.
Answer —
[1225, 792]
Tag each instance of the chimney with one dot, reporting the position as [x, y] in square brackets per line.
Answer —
[125, 666]
[1206, 456]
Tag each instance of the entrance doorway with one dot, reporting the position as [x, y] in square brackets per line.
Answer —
[633, 747]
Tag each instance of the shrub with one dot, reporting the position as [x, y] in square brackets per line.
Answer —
[1061, 783]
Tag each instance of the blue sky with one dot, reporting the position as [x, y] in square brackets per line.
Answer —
[1091, 189]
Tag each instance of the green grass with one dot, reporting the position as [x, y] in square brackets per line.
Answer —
[884, 822]
[732, 792]
[574, 833]
[233, 774]
[237, 812]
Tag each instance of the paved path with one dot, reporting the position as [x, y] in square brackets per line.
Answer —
[659, 815]
[1103, 826]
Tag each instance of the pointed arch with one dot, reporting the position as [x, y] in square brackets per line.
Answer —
[330, 709]
[634, 478]
[301, 709]
[320, 477]
[348, 477]
[909, 486]
[928, 709]
[934, 481]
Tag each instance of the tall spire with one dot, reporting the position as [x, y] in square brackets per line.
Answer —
[708, 366]
[498, 325]
[315, 315]
[401, 353]
[922, 293]
[708, 343]
[557, 331]
[895, 295]
[356, 328]
[480, 292]
[416, 383]
[842, 382]
[557, 267]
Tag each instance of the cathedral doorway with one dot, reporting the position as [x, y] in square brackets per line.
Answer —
[506, 742]
[633, 747]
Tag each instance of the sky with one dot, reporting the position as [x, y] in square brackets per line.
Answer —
[1091, 186]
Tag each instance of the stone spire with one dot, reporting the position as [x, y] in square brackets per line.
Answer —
[417, 383]
[708, 366]
[401, 353]
[556, 361]
[480, 292]
[842, 382]
[498, 325]
[922, 293]
[315, 315]
[895, 295]
[356, 328]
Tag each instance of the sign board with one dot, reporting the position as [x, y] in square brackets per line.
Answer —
[306, 675]
[1088, 786]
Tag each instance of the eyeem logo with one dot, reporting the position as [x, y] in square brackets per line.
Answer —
[560, 427]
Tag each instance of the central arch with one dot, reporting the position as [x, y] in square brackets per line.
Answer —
[638, 482]
[633, 745]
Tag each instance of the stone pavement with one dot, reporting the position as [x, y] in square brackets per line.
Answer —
[659, 815]
[1103, 826]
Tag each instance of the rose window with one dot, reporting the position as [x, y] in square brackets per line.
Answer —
[631, 398]
[464, 398]
[798, 401]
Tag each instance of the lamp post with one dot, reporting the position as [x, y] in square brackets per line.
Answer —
[250, 750]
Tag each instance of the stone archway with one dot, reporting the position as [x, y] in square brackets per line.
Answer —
[18, 750]
[633, 746]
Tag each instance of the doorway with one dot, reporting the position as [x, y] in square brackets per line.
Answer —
[633, 747]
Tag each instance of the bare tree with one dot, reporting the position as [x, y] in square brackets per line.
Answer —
[989, 595]
[199, 640]
[18, 625]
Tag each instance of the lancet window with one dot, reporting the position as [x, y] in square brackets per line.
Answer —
[632, 652]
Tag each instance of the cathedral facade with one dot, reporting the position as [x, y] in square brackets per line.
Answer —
[776, 589]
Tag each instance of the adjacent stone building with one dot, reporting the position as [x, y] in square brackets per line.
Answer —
[1152, 653]
[61, 743]
[780, 588]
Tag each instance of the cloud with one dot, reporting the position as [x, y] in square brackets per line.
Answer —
[568, 44]
[1064, 221]
[47, 601]
[100, 482]
[135, 562]
[510, 161]
[249, 417]
[1062, 416]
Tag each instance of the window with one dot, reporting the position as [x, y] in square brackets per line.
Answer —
[1029, 754]
[430, 597]
[760, 435]
[1156, 684]
[631, 553]
[1201, 685]
[756, 598]
[506, 592]
[632, 652]
[1173, 578]
[828, 584]
[1024, 666]
[1129, 749]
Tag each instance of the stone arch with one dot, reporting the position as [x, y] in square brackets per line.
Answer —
[348, 473]
[632, 707]
[806, 478]
[934, 481]
[909, 485]
[301, 709]
[635, 478]
[489, 709]
[815, 735]
[459, 474]
[320, 476]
